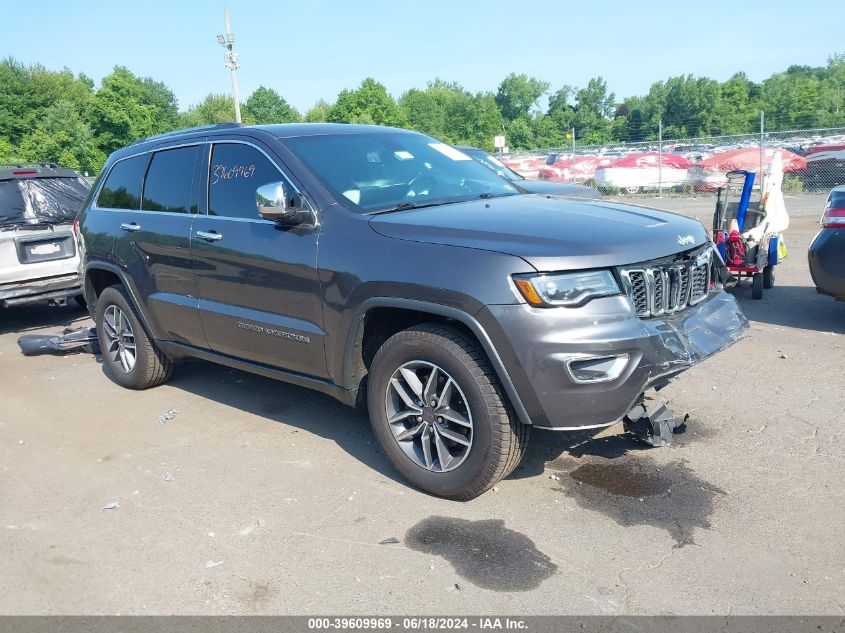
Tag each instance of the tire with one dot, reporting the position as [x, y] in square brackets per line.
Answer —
[150, 367]
[497, 440]
[757, 286]
[769, 277]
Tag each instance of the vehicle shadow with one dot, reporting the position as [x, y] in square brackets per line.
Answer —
[321, 415]
[547, 446]
[280, 402]
[793, 306]
[39, 316]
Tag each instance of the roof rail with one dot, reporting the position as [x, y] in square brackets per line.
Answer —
[198, 128]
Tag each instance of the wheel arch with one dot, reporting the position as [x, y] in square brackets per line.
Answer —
[378, 318]
[100, 275]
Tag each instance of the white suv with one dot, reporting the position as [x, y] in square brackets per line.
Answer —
[39, 241]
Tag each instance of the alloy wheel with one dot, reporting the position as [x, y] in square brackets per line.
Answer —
[429, 416]
[120, 339]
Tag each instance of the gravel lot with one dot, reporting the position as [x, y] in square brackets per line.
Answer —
[259, 497]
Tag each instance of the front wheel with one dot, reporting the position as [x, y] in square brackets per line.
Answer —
[440, 415]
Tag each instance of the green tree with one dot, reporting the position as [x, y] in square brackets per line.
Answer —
[790, 99]
[547, 132]
[369, 103]
[518, 94]
[629, 122]
[265, 105]
[690, 106]
[485, 121]
[594, 106]
[447, 111]
[25, 93]
[831, 100]
[14, 84]
[738, 106]
[519, 134]
[63, 137]
[127, 108]
[429, 110]
[9, 153]
[214, 108]
[319, 112]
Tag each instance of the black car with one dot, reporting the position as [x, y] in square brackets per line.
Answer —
[530, 186]
[827, 251]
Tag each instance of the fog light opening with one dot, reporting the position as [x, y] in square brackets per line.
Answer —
[596, 368]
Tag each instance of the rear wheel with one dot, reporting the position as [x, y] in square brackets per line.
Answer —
[130, 357]
[757, 286]
[769, 277]
[439, 413]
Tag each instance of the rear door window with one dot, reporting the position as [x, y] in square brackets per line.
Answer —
[237, 170]
[169, 185]
[122, 189]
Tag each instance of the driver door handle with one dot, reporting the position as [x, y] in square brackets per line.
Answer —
[209, 236]
[130, 227]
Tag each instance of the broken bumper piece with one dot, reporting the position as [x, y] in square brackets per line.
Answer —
[588, 367]
[655, 426]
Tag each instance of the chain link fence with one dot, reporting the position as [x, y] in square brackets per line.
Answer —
[813, 160]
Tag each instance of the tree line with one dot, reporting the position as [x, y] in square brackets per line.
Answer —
[58, 116]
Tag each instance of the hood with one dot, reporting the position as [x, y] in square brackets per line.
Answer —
[558, 189]
[549, 233]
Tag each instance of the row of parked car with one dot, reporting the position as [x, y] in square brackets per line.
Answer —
[818, 165]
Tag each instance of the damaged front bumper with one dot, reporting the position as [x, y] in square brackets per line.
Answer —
[588, 367]
[36, 290]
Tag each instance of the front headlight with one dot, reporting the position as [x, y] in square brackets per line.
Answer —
[566, 289]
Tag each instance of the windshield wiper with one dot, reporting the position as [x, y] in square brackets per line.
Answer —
[404, 206]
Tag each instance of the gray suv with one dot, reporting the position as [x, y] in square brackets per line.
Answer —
[389, 270]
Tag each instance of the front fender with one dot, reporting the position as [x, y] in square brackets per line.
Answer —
[351, 360]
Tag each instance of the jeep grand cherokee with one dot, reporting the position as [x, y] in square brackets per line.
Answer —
[386, 268]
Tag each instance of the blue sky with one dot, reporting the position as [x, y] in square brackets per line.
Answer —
[308, 50]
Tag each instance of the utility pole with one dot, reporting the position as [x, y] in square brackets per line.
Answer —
[227, 41]
[762, 140]
[660, 158]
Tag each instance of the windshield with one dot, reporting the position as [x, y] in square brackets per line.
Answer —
[380, 171]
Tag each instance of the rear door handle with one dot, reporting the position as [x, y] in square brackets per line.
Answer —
[131, 227]
[209, 237]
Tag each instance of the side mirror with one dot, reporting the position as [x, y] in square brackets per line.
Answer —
[277, 201]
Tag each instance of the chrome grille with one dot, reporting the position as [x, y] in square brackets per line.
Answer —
[667, 287]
